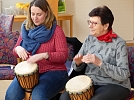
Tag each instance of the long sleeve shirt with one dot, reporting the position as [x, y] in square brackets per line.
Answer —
[114, 68]
[57, 50]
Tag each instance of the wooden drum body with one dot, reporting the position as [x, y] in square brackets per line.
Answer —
[80, 88]
[27, 75]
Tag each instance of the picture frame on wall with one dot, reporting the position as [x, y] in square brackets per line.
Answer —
[61, 6]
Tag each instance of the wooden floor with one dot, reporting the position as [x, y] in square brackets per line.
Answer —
[3, 87]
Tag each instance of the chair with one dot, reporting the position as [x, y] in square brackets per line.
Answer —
[130, 49]
[8, 40]
[6, 47]
[6, 23]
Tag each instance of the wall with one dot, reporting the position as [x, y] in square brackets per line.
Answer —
[123, 11]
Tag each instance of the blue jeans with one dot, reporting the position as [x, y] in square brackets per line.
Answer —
[50, 84]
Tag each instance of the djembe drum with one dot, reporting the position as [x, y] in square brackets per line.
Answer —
[27, 75]
[80, 88]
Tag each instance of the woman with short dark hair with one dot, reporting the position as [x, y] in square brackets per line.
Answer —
[104, 54]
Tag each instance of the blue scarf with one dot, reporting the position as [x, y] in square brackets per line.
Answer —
[32, 39]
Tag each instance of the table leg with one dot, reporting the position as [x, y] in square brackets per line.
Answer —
[61, 24]
[71, 26]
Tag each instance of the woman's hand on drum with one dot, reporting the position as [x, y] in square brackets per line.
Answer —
[22, 53]
[78, 59]
[92, 58]
[37, 57]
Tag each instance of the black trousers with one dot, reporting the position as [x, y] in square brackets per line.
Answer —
[104, 92]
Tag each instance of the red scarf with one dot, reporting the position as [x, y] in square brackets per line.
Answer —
[107, 37]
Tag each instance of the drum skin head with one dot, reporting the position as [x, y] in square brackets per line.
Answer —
[24, 68]
[78, 84]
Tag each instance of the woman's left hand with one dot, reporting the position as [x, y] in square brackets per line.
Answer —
[91, 58]
[37, 57]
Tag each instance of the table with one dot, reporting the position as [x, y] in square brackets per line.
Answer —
[61, 18]
[130, 42]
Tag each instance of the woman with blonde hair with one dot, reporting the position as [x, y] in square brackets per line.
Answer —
[43, 42]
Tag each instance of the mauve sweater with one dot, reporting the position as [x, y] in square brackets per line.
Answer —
[57, 50]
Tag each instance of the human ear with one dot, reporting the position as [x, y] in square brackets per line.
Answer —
[106, 26]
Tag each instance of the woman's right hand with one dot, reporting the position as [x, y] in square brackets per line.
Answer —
[78, 59]
[22, 53]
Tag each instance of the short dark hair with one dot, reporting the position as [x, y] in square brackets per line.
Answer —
[105, 15]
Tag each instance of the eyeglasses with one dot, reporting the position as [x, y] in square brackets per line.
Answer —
[93, 23]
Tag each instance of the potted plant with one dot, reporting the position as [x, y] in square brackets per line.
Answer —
[61, 6]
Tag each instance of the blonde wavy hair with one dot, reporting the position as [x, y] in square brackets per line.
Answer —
[43, 5]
